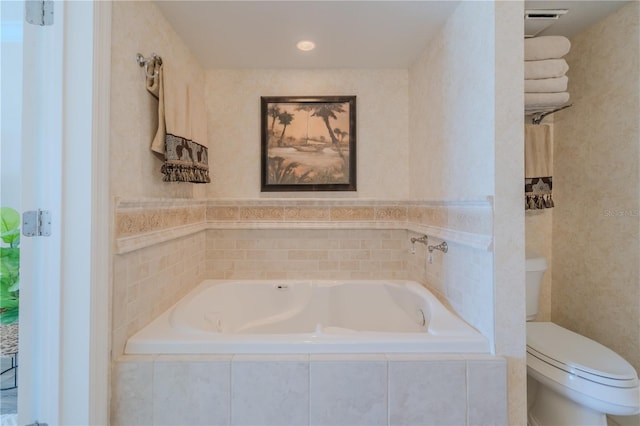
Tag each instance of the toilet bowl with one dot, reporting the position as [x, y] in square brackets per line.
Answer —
[579, 380]
[572, 380]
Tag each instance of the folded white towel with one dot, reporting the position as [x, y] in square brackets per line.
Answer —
[546, 47]
[547, 85]
[548, 68]
[543, 101]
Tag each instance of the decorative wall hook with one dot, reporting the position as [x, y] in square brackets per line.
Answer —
[151, 62]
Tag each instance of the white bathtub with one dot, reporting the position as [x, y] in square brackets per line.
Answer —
[308, 317]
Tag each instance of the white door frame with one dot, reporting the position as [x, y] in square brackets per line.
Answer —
[86, 221]
[72, 384]
[101, 218]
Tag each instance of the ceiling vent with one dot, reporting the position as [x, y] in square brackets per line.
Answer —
[538, 20]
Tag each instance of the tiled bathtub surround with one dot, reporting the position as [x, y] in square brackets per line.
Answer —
[148, 281]
[436, 116]
[139, 222]
[160, 258]
[306, 254]
[310, 390]
[462, 276]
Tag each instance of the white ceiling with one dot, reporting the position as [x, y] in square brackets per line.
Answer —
[348, 34]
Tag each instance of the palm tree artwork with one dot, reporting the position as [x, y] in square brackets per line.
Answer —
[304, 146]
[273, 112]
[285, 119]
[307, 109]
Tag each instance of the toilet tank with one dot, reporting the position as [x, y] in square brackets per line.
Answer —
[535, 267]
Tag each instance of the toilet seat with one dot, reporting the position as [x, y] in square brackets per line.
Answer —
[579, 355]
[582, 370]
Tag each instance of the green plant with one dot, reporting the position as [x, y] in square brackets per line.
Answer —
[9, 265]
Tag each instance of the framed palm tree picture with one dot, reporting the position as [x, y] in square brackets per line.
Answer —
[308, 143]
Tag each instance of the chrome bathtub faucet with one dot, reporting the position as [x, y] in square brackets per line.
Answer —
[415, 240]
[443, 247]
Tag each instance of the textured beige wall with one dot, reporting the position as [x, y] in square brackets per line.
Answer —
[465, 130]
[233, 98]
[451, 107]
[596, 221]
[139, 27]
[508, 231]
[446, 153]
[538, 231]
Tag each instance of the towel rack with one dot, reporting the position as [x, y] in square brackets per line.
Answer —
[537, 117]
[152, 61]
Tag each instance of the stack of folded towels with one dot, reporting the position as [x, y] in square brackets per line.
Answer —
[545, 83]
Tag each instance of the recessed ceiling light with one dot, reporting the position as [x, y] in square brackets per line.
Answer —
[306, 45]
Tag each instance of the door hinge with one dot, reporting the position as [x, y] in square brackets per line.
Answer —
[39, 12]
[36, 223]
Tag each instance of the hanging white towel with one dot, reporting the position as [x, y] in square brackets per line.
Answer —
[538, 151]
[547, 85]
[536, 101]
[538, 166]
[546, 47]
[181, 136]
[548, 68]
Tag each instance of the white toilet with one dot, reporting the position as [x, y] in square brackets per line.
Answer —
[572, 380]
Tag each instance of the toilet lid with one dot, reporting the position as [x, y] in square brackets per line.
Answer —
[579, 355]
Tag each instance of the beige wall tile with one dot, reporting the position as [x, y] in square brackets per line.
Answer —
[269, 392]
[391, 213]
[261, 213]
[155, 278]
[487, 392]
[348, 393]
[132, 397]
[191, 392]
[223, 213]
[352, 213]
[427, 392]
[307, 214]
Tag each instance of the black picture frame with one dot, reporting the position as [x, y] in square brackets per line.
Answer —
[308, 143]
